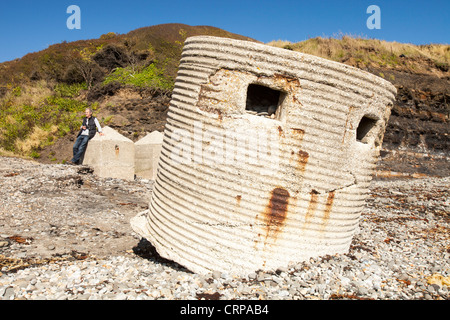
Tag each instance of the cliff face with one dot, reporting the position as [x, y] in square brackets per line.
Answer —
[419, 120]
[417, 137]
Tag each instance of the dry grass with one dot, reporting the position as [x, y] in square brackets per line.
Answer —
[6, 153]
[362, 52]
[35, 140]
[35, 114]
[33, 93]
[36, 93]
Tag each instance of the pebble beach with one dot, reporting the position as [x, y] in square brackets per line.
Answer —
[51, 251]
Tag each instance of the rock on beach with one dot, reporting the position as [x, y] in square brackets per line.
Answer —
[65, 235]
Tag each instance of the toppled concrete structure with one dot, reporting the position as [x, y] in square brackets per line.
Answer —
[147, 151]
[111, 155]
[267, 157]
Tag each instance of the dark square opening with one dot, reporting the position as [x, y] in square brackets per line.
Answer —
[262, 101]
[365, 128]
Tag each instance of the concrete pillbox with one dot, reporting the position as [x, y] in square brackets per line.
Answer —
[267, 157]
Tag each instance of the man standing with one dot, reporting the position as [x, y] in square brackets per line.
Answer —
[87, 132]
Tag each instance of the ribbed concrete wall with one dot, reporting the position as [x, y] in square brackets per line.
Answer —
[237, 191]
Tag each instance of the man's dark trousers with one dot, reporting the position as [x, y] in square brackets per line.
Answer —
[79, 148]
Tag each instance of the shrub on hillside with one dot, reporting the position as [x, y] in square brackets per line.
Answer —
[112, 57]
[101, 90]
[148, 77]
[72, 75]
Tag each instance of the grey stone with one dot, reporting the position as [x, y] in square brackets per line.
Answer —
[9, 292]
[4, 243]
[111, 155]
[215, 156]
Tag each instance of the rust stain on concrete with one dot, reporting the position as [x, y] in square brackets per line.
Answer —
[280, 131]
[303, 157]
[298, 134]
[288, 83]
[328, 207]
[312, 206]
[276, 212]
[238, 200]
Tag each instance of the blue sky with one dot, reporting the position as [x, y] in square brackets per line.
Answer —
[29, 25]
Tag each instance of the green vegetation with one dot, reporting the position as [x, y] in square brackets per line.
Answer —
[27, 125]
[69, 91]
[147, 77]
[91, 60]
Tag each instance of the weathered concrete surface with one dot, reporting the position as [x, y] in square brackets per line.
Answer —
[267, 157]
[147, 151]
[111, 155]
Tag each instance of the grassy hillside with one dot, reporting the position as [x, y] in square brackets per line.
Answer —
[64, 62]
[43, 95]
[371, 53]
[127, 80]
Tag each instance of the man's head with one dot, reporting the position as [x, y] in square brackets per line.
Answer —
[88, 112]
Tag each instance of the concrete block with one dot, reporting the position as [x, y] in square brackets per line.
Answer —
[267, 157]
[147, 151]
[111, 155]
